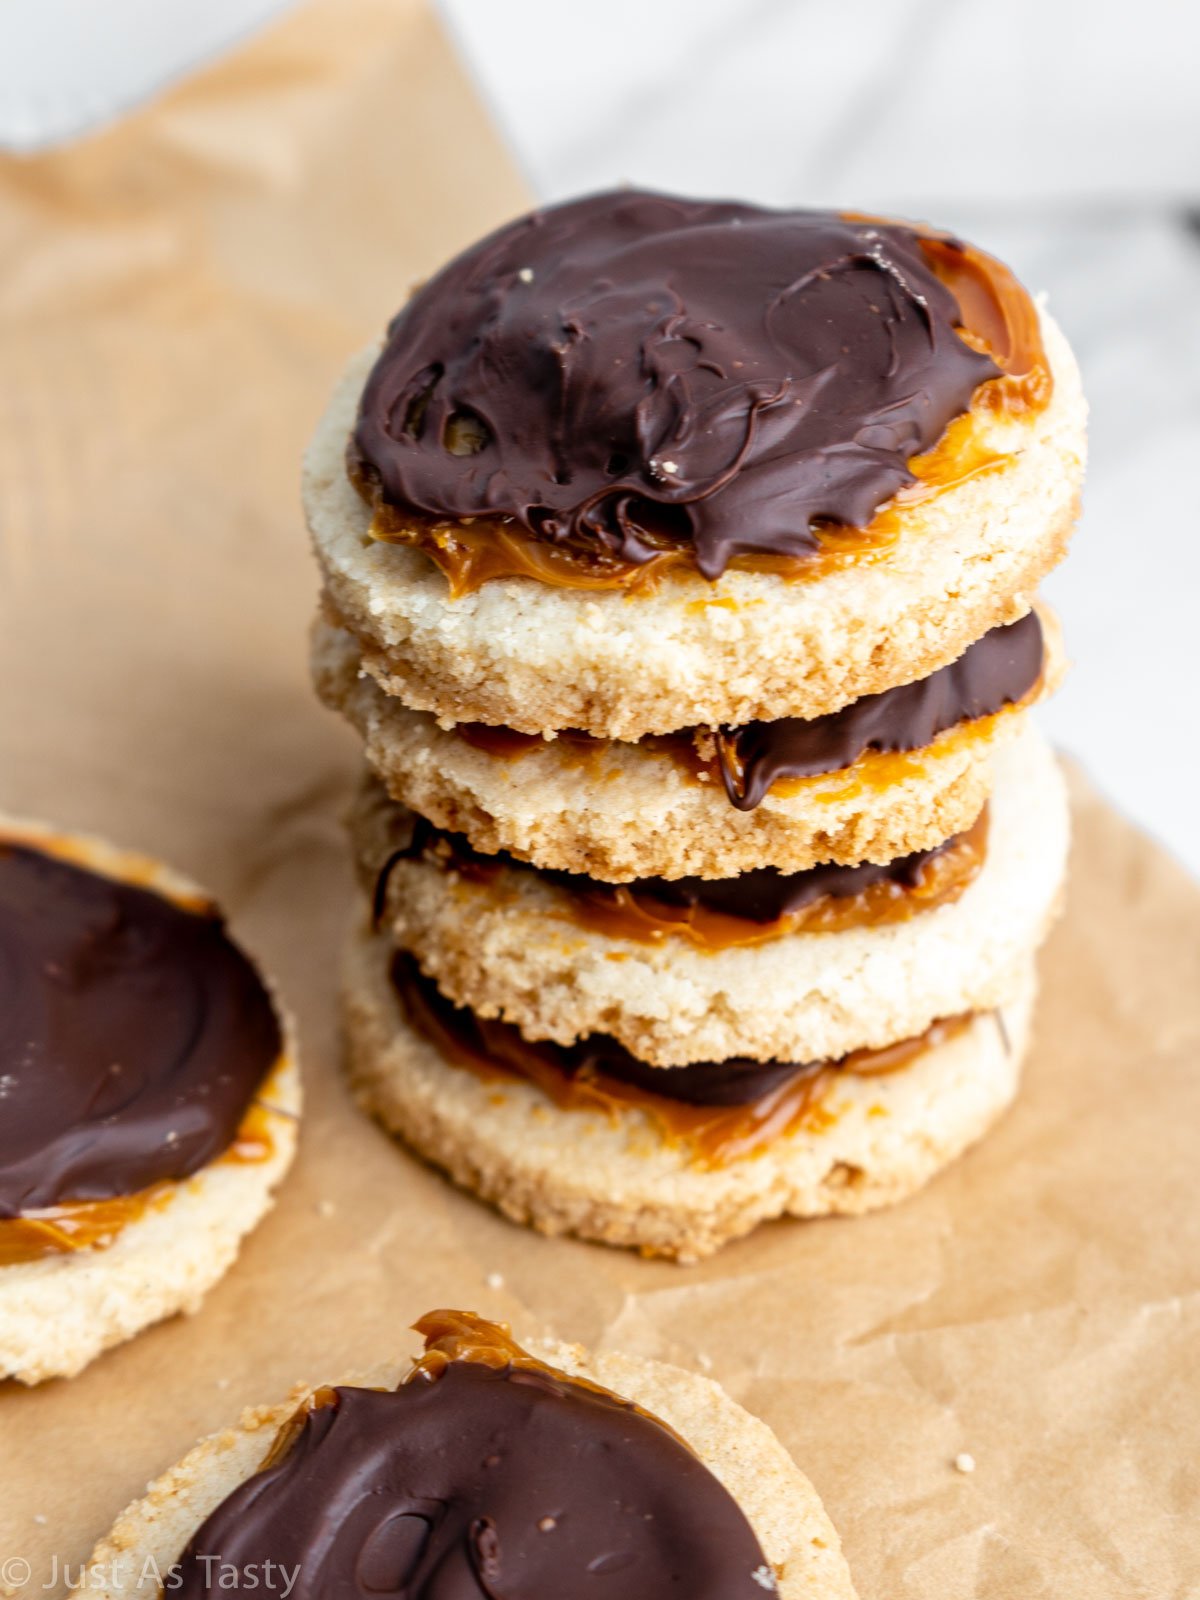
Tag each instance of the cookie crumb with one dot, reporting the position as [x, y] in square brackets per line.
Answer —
[325, 1208]
[705, 1361]
[40, 1518]
[764, 1577]
[222, 1383]
[494, 1280]
[526, 274]
[964, 1462]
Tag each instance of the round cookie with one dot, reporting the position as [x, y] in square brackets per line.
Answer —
[781, 1505]
[623, 811]
[508, 948]
[617, 1181]
[61, 1309]
[748, 646]
[58, 1314]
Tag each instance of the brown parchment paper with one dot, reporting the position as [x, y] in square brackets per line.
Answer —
[176, 296]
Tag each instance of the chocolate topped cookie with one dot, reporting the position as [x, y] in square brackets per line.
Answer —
[718, 463]
[483, 1468]
[134, 1035]
[149, 1094]
[632, 377]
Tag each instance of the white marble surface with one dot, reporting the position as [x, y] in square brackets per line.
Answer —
[1062, 134]
[67, 66]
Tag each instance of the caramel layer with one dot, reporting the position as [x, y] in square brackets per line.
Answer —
[714, 1133]
[71, 1226]
[719, 914]
[622, 912]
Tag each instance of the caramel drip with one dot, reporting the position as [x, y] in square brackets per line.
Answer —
[64, 1229]
[463, 1336]
[453, 1336]
[998, 318]
[714, 1136]
[95, 1224]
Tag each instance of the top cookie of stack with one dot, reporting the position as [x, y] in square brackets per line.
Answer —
[647, 403]
[685, 552]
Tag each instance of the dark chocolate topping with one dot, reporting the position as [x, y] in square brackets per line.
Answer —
[133, 1035]
[765, 894]
[739, 1081]
[482, 1483]
[630, 371]
[762, 895]
[995, 671]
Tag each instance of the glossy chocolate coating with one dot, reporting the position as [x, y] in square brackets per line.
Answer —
[133, 1035]
[995, 671]
[632, 371]
[481, 1483]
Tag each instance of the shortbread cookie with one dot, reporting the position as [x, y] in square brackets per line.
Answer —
[726, 448]
[510, 944]
[615, 1172]
[150, 1094]
[573, 1443]
[622, 811]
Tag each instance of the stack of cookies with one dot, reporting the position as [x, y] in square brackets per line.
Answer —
[679, 572]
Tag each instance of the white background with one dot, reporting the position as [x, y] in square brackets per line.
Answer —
[1063, 135]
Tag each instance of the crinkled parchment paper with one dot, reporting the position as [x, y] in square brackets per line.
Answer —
[176, 296]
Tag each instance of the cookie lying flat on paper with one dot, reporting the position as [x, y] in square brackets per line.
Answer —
[484, 1469]
[637, 463]
[672, 1161]
[148, 1097]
